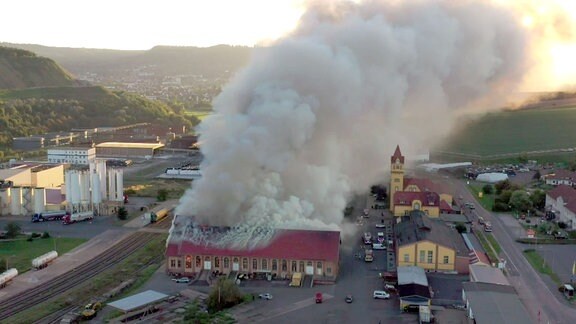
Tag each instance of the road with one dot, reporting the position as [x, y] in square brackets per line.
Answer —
[541, 302]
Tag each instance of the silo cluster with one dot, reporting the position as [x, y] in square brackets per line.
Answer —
[86, 190]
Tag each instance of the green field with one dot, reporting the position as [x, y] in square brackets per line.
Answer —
[199, 113]
[515, 132]
[19, 253]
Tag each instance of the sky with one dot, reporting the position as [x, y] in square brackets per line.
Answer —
[143, 24]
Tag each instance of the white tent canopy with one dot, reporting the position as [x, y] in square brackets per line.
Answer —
[492, 177]
[138, 301]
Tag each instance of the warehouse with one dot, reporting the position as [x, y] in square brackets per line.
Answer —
[121, 149]
[72, 155]
[310, 252]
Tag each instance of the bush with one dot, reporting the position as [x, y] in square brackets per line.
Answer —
[30, 238]
[45, 235]
[461, 228]
[12, 230]
[488, 189]
[122, 213]
[562, 225]
[35, 235]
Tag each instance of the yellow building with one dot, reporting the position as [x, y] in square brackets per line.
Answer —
[430, 245]
[408, 194]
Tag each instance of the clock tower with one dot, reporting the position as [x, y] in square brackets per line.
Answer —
[396, 175]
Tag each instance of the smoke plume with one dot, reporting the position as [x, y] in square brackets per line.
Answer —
[314, 118]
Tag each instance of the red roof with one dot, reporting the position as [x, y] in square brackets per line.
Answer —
[562, 174]
[444, 206]
[397, 155]
[422, 184]
[405, 198]
[566, 192]
[286, 244]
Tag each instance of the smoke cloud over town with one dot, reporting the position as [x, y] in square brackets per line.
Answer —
[314, 118]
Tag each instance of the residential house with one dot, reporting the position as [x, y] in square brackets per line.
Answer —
[561, 201]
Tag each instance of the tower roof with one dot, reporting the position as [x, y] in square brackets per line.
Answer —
[397, 155]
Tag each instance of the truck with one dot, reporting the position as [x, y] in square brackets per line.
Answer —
[43, 260]
[157, 216]
[77, 217]
[296, 279]
[49, 216]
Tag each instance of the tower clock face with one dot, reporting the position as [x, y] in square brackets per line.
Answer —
[397, 161]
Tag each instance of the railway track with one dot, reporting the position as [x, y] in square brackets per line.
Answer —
[74, 277]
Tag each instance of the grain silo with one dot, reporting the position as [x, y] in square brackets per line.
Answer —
[16, 201]
[5, 198]
[39, 200]
[119, 185]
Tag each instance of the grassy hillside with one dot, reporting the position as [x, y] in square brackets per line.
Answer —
[515, 132]
[22, 69]
[38, 110]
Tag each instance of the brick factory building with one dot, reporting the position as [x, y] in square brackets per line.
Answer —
[310, 252]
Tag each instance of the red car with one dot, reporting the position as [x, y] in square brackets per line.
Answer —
[318, 298]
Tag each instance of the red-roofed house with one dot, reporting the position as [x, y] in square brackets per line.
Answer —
[561, 177]
[289, 251]
[562, 202]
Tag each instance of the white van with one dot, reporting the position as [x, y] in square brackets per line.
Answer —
[381, 294]
[378, 246]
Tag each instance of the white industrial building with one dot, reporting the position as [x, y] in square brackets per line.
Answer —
[72, 155]
[28, 189]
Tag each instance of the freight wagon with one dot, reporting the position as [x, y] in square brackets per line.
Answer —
[7, 276]
[78, 217]
[43, 260]
[49, 216]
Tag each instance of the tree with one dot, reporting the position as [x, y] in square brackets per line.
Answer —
[520, 200]
[537, 175]
[225, 294]
[502, 185]
[538, 198]
[162, 195]
[194, 314]
[488, 189]
[461, 228]
[572, 165]
[122, 213]
[2, 265]
[12, 230]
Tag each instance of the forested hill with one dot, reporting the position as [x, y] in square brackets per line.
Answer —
[31, 111]
[21, 69]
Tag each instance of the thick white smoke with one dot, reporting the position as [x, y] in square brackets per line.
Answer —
[315, 117]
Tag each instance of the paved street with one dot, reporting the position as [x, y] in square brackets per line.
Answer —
[544, 303]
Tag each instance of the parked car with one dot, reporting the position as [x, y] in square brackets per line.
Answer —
[389, 287]
[318, 298]
[181, 280]
[380, 294]
[367, 238]
[349, 299]
[266, 296]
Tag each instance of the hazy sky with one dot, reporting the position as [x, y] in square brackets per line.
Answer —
[142, 24]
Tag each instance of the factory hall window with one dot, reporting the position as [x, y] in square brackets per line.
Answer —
[284, 265]
[329, 270]
[430, 256]
[264, 264]
[319, 265]
[294, 266]
[274, 265]
[172, 263]
[217, 262]
[189, 261]
[226, 263]
[245, 264]
[198, 261]
[446, 259]
[179, 263]
[406, 257]
[254, 264]
[301, 266]
[422, 256]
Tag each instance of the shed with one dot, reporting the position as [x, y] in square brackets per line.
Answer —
[124, 149]
[138, 301]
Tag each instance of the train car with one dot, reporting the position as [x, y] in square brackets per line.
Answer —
[7, 276]
[159, 215]
[43, 260]
[77, 217]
